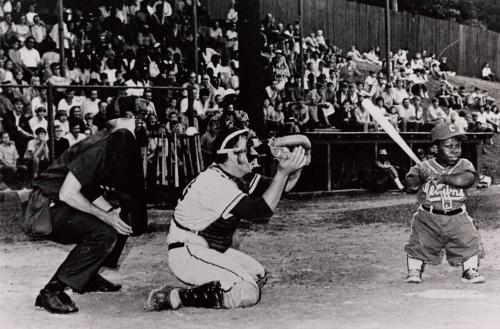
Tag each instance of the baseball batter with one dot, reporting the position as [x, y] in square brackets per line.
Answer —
[205, 219]
[441, 221]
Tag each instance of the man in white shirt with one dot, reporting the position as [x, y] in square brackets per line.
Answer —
[91, 104]
[29, 58]
[197, 106]
[399, 93]
[74, 136]
[135, 81]
[68, 101]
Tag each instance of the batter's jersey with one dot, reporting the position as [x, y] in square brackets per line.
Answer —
[209, 197]
[442, 197]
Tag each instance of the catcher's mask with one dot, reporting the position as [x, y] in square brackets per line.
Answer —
[252, 143]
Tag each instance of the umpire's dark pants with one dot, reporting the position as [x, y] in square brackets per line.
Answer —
[97, 244]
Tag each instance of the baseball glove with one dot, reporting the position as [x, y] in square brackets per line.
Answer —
[281, 147]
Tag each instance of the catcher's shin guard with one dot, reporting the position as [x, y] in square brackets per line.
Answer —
[208, 295]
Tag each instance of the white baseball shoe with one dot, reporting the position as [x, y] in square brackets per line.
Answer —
[471, 275]
[414, 276]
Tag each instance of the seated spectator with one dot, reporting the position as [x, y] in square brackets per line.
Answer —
[16, 123]
[37, 152]
[61, 144]
[408, 117]
[10, 169]
[88, 119]
[30, 59]
[443, 66]
[385, 174]
[434, 114]
[319, 108]
[76, 118]
[68, 102]
[363, 120]
[461, 122]
[207, 140]
[101, 118]
[297, 118]
[91, 104]
[450, 115]
[393, 117]
[487, 73]
[39, 119]
[136, 80]
[399, 93]
[38, 29]
[74, 135]
[61, 120]
[478, 124]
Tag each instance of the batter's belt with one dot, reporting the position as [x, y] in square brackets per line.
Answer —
[443, 212]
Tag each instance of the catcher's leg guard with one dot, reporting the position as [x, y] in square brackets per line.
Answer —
[207, 295]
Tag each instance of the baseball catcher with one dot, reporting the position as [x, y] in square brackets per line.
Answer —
[206, 217]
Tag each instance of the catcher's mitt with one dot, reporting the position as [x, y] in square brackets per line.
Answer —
[282, 146]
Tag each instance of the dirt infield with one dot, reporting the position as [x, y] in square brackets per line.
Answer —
[330, 268]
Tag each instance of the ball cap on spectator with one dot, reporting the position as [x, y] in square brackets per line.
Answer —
[382, 152]
[446, 130]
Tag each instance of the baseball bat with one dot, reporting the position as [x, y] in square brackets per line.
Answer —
[176, 164]
[389, 129]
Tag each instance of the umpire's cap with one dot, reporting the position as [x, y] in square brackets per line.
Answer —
[446, 130]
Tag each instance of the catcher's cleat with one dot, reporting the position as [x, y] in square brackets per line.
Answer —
[262, 280]
[414, 276]
[164, 298]
[471, 275]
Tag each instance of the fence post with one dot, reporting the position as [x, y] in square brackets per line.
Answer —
[195, 36]
[50, 121]
[190, 110]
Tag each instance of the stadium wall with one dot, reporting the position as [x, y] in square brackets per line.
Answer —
[349, 23]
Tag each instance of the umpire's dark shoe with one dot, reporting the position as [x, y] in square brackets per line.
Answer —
[55, 302]
[98, 283]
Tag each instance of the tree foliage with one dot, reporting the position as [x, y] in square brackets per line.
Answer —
[482, 13]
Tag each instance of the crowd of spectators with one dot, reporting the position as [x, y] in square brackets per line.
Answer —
[149, 43]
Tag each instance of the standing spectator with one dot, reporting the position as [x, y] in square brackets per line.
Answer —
[9, 167]
[37, 152]
[61, 144]
[100, 118]
[39, 120]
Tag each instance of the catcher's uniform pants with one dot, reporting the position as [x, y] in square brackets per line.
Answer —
[196, 264]
[431, 233]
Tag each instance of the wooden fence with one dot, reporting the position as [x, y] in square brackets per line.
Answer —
[349, 23]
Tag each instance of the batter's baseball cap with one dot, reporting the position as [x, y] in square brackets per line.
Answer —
[446, 130]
